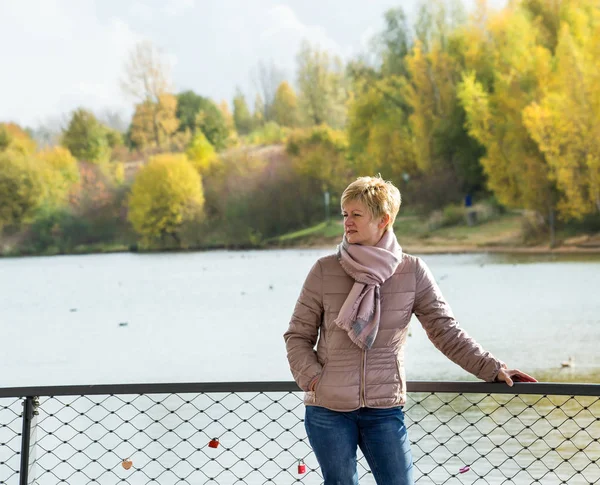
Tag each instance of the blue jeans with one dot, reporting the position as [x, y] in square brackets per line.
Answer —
[380, 433]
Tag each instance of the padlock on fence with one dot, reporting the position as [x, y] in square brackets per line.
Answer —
[214, 443]
[301, 467]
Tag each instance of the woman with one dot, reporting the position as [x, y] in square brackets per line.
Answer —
[357, 304]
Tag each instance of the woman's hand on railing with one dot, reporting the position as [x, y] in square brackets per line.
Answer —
[513, 375]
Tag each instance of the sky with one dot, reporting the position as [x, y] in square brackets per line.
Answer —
[58, 55]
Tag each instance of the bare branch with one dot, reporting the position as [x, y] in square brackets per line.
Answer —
[147, 75]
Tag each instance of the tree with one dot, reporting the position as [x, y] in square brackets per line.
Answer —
[258, 118]
[227, 116]
[436, 22]
[165, 194]
[394, 43]
[517, 171]
[113, 120]
[437, 117]
[201, 153]
[5, 138]
[566, 122]
[16, 139]
[49, 132]
[146, 73]
[267, 79]
[86, 138]
[147, 80]
[379, 136]
[322, 87]
[21, 188]
[232, 138]
[285, 106]
[154, 123]
[321, 154]
[59, 172]
[196, 112]
[241, 114]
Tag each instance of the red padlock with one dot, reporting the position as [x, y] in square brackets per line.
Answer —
[214, 443]
[301, 467]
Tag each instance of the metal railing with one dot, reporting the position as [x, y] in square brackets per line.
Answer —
[461, 432]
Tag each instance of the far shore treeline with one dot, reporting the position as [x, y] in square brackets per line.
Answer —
[501, 107]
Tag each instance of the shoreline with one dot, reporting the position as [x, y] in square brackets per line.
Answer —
[323, 244]
[500, 249]
[458, 248]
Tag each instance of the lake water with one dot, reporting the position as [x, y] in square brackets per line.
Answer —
[220, 316]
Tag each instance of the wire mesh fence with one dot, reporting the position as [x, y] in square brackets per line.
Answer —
[461, 433]
[10, 440]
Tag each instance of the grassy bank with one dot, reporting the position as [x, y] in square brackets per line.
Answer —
[508, 232]
[503, 233]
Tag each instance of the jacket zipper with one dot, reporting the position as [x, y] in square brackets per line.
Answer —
[363, 378]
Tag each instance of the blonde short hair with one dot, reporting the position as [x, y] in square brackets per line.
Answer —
[379, 196]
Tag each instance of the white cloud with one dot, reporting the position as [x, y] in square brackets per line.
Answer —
[282, 34]
[286, 27]
[69, 59]
[177, 7]
[148, 10]
[140, 10]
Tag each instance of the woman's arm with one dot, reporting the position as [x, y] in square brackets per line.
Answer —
[303, 331]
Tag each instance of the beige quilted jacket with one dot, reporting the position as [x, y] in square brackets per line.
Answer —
[347, 377]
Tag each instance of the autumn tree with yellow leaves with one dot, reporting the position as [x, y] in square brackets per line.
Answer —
[147, 80]
[165, 194]
[21, 188]
[285, 106]
[537, 114]
[565, 122]
[517, 171]
[60, 173]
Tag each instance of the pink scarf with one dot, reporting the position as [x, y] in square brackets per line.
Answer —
[369, 267]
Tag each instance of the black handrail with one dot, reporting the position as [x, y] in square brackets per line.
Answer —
[470, 387]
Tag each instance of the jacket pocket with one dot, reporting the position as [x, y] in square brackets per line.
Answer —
[320, 380]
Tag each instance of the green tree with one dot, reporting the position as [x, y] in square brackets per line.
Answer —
[285, 106]
[60, 173]
[196, 112]
[394, 43]
[201, 153]
[165, 194]
[5, 138]
[379, 136]
[241, 114]
[114, 138]
[86, 138]
[21, 188]
[258, 118]
[227, 116]
[322, 87]
[437, 117]
[437, 20]
[267, 77]
[321, 154]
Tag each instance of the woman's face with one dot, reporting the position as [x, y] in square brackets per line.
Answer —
[359, 226]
